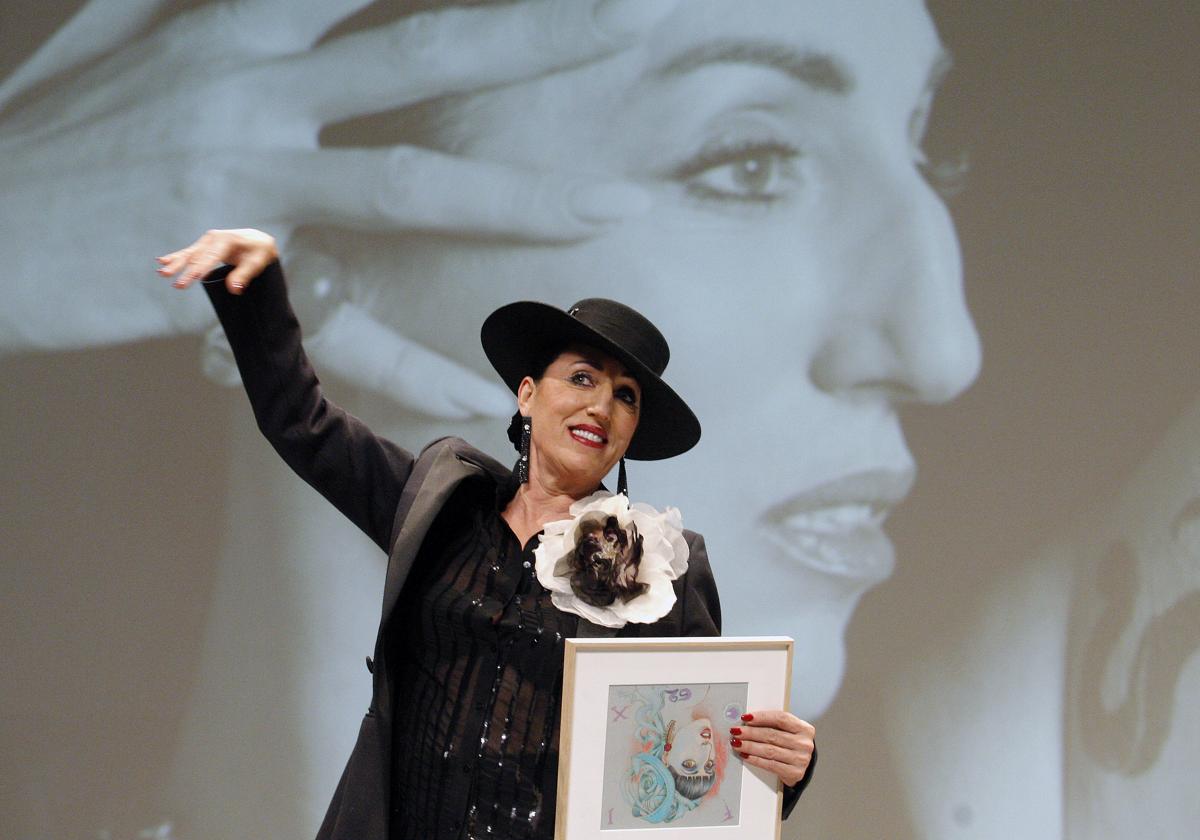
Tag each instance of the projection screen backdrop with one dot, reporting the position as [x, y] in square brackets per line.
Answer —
[929, 265]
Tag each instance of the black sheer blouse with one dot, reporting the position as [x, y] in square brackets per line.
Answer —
[476, 653]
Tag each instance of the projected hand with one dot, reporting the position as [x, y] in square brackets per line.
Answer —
[215, 115]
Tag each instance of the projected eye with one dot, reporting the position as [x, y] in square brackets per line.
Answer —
[759, 172]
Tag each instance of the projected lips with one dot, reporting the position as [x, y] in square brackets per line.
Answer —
[837, 527]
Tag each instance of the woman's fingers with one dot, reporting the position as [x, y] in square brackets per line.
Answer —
[776, 726]
[408, 188]
[179, 264]
[171, 263]
[455, 51]
[788, 773]
[777, 741]
[208, 253]
[248, 250]
[795, 737]
[246, 270]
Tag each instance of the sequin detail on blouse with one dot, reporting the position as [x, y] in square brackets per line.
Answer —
[476, 656]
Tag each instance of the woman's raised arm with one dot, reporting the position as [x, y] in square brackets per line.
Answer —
[361, 474]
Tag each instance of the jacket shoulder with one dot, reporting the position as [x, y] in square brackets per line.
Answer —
[464, 451]
[696, 546]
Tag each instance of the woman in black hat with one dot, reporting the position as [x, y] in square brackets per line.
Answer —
[461, 736]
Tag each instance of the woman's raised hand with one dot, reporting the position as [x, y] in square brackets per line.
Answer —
[777, 741]
[216, 114]
[249, 251]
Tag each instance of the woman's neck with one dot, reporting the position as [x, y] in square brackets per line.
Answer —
[533, 506]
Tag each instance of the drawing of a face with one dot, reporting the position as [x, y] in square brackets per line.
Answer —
[805, 273]
[691, 757]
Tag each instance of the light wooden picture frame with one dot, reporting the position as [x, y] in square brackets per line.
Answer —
[644, 740]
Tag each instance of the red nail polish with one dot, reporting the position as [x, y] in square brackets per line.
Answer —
[744, 755]
[736, 742]
[747, 717]
[735, 730]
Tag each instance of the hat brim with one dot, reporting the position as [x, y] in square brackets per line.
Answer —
[516, 336]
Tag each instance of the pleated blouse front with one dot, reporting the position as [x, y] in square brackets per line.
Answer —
[476, 650]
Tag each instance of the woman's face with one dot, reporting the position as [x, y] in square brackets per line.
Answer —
[692, 752]
[805, 273]
[583, 412]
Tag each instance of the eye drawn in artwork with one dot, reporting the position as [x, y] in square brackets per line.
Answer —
[667, 759]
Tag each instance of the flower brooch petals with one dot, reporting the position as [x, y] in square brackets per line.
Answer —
[613, 562]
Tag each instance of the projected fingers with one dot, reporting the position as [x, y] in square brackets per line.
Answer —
[358, 348]
[214, 116]
[456, 50]
[416, 189]
[291, 25]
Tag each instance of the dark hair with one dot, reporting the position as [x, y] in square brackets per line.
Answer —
[544, 358]
[692, 787]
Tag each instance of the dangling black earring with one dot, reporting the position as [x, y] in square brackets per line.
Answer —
[622, 480]
[523, 448]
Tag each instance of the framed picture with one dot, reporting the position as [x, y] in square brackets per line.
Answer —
[644, 746]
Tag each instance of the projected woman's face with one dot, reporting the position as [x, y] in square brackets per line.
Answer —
[806, 274]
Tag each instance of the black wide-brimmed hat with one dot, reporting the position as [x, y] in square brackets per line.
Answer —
[519, 336]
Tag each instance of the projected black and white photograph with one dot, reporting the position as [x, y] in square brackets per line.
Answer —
[320, 316]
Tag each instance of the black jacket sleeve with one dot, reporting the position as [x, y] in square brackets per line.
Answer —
[361, 474]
